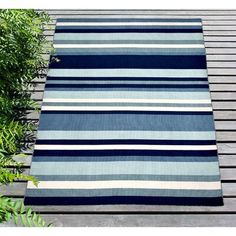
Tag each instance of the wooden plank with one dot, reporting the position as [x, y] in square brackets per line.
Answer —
[206, 32]
[219, 33]
[223, 87]
[146, 13]
[221, 64]
[227, 148]
[212, 23]
[223, 57]
[222, 96]
[221, 71]
[213, 87]
[222, 79]
[222, 51]
[146, 16]
[219, 28]
[224, 105]
[225, 160]
[212, 79]
[219, 22]
[220, 38]
[227, 174]
[217, 105]
[225, 125]
[205, 27]
[225, 136]
[224, 115]
[218, 115]
[136, 220]
[216, 96]
[229, 207]
[143, 11]
[223, 147]
[14, 189]
[222, 136]
[24, 159]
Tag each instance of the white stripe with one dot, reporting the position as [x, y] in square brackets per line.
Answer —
[128, 45]
[119, 108]
[134, 72]
[124, 147]
[128, 23]
[133, 184]
[120, 100]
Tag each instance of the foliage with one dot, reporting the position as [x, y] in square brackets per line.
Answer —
[12, 134]
[22, 45]
[12, 108]
[21, 215]
[11, 170]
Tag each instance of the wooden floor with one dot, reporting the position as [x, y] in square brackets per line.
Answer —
[220, 41]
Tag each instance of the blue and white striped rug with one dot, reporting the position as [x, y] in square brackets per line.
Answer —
[127, 116]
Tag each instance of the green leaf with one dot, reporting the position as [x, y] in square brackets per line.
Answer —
[23, 220]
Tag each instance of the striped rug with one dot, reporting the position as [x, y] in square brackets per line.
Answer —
[126, 116]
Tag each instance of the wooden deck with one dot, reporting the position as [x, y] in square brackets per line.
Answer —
[220, 41]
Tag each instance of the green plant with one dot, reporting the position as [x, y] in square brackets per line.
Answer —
[21, 215]
[11, 170]
[16, 108]
[22, 45]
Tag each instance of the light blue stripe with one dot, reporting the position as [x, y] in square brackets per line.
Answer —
[128, 73]
[126, 167]
[128, 36]
[121, 41]
[169, 135]
[126, 94]
[121, 192]
[130, 51]
[197, 178]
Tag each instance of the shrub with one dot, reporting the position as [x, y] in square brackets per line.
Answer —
[22, 44]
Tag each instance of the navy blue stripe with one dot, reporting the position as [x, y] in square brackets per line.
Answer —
[204, 201]
[125, 158]
[125, 152]
[127, 141]
[127, 85]
[129, 78]
[130, 61]
[138, 30]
